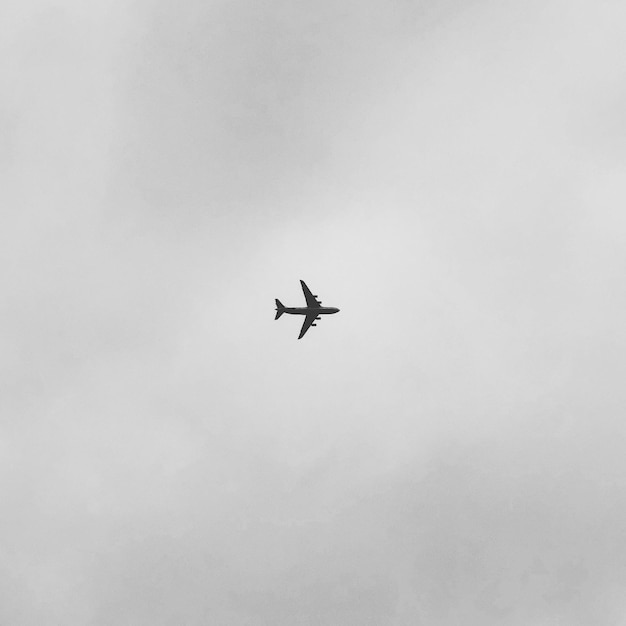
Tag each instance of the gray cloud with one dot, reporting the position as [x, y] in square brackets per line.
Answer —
[447, 449]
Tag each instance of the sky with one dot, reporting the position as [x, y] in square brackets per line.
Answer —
[448, 449]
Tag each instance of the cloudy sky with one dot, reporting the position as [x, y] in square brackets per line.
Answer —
[449, 449]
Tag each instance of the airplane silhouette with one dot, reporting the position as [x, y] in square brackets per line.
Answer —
[312, 310]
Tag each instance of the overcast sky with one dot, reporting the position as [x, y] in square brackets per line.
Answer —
[449, 449]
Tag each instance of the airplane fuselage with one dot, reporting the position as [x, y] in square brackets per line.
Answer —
[304, 310]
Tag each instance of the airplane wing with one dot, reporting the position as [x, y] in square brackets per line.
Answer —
[308, 322]
[311, 300]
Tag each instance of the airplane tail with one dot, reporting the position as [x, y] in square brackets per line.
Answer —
[280, 309]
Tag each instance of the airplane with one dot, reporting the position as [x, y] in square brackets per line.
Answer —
[312, 310]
